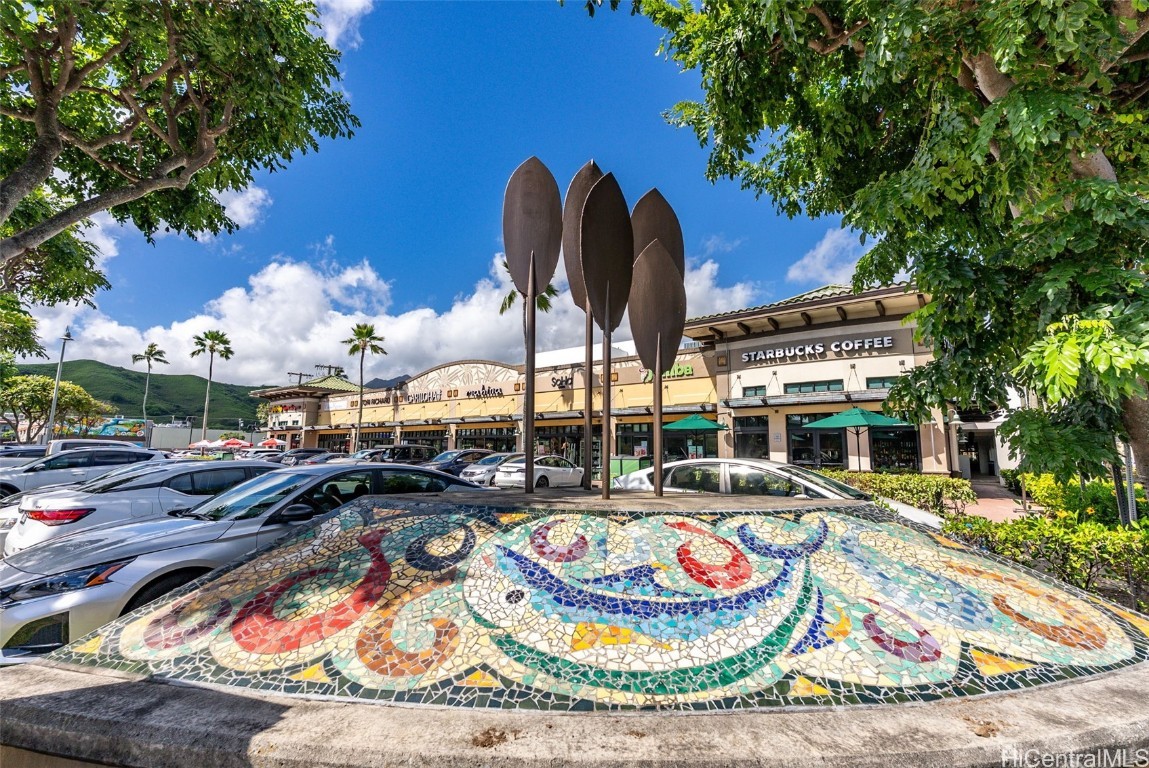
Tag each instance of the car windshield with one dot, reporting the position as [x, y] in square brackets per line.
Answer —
[366, 453]
[120, 477]
[446, 455]
[494, 458]
[252, 498]
[817, 478]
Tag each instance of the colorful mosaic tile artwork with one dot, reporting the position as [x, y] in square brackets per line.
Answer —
[435, 604]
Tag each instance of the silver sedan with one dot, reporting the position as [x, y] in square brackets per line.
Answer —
[60, 591]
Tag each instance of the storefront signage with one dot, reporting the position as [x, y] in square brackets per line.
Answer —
[562, 382]
[425, 397]
[677, 372]
[839, 347]
[485, 391]
[385, 400]
[286, 408]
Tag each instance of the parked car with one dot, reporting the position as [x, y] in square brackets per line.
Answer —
[757, 477]
[72, 443]
[63, 589]
[549, 470]
[399, 453]
[69, 466]
[483, 471]
[15, 455]
[454, 462]
[10, 505]
[290, 458]
[320, 458]
[150, 491]
[259, 453]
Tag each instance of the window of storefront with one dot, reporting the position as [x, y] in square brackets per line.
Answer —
[754, 391]
[814, 447]
[881, 382]
[634, 439]
[801, 387]
[494, 438]
[373, 438]
[895, 448]
[436, 438]
[334, 442]
[752, 437]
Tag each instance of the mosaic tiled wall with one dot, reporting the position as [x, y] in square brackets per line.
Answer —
[590, 611]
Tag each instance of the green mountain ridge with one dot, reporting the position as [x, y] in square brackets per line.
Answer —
[170, 395]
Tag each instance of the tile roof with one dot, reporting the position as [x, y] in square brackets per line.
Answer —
[825, 292]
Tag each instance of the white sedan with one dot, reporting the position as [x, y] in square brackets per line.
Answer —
[549, 470]
[483, 471]
[758, 477]
[151, 491]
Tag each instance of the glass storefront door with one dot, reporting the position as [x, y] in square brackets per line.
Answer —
[566, 441]
[895, 448]
[752, 437]
[814, 447]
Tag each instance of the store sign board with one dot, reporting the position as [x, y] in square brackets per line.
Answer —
[830, 347]
[425, 397]
[678, 371]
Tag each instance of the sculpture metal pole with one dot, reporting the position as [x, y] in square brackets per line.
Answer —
[579, 188]
[529, 394]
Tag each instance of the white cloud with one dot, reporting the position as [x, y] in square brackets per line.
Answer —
[292, 315]
[340, 20]
[247, 206]
[715, 245]
[831, 261]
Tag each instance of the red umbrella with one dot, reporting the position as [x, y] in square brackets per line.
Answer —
[235, 442]
[271, 442]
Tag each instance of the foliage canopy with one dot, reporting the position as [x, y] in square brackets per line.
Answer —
[998, 152]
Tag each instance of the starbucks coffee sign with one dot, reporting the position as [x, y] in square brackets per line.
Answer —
[835, 347]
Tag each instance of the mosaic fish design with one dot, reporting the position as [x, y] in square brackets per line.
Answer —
[435, 604]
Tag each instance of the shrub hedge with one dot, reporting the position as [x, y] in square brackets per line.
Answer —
[934, 493]
[1110, 560]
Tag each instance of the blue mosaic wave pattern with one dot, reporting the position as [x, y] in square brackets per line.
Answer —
[437, 604]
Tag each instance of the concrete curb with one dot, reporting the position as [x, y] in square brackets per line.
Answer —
[131, 721]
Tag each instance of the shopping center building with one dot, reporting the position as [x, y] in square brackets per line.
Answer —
[761, 374]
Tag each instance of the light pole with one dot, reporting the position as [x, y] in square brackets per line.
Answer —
[50, 427]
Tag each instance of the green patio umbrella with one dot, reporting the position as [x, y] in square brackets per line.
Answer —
[694, 423]
[855, 420]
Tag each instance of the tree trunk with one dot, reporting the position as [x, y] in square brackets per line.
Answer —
[359, 419]
[207, 397]
[1135, 417]
[147, 383]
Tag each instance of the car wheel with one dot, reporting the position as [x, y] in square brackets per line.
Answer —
[8, 490]
[159, 588]
[542, 482]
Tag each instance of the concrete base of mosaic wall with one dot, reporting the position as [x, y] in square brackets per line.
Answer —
[702, 630]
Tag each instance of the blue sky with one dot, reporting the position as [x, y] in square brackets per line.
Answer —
[401, 225]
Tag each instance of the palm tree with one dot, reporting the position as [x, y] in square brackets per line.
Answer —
[362, 341]
[151, 354]
[213, 343]
[542, 301]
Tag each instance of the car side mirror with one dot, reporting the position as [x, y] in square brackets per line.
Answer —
[801, 496]
[295, 513]
[35, 468]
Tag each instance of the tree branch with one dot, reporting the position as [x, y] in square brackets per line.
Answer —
[1124, 11]
[78, 76]
[12, 247]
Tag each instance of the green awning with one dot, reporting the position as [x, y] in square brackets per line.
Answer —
[694, 423]
[855, 418]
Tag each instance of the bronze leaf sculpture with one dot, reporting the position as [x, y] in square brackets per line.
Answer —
[607, 251]
[532, 236]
